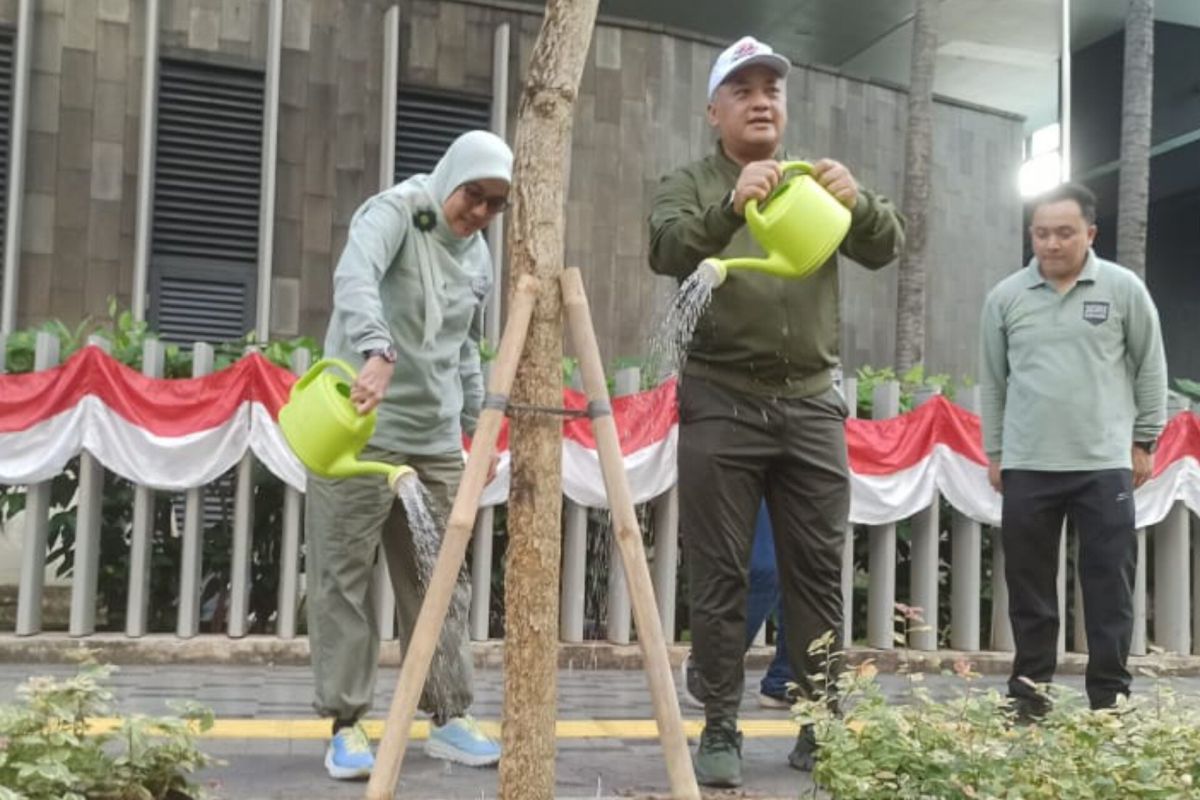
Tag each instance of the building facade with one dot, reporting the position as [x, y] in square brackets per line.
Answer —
[341, 135]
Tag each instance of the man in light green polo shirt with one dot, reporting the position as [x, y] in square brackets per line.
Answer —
[1074, 399]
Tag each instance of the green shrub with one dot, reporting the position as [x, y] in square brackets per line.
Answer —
[970, 746]
[47, 750]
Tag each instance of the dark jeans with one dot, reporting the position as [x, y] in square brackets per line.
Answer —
[734, 450]
[764, 601]
[1100, 506]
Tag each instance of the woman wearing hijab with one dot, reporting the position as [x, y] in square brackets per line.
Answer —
[408, 299]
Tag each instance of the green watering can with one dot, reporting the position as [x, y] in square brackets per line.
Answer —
[325, 431]
[800, 228]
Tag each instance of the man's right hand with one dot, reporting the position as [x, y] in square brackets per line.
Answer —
[371, 385]
[994, 476]
[757, 181]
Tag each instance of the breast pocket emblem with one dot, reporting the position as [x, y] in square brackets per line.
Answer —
[1095, 312]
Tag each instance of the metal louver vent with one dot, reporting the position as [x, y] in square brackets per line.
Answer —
[427, 122]
[8, 39]
[207, 174]
[203, 307]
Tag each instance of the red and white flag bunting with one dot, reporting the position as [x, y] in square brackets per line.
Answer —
[177, 434]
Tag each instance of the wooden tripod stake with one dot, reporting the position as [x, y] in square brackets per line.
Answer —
[419, 653]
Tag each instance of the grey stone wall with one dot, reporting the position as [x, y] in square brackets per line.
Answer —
[640, 114]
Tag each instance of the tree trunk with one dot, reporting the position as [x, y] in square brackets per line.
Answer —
[535, 245]
[918, 152]
[1133, 204]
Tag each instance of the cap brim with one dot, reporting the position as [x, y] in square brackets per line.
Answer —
[774, 61]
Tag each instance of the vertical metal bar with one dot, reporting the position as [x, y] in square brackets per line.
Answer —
[385, 598]
[137, 610]
[495, 233]
[1137, 646]
[37, 523]
[387, 117]
[626, 381]
[270, 149]
[926, 528]
[192, 547]
[87, 537]
[481, 574]
[1172, 582]
[966, 560]
[239, 564]
[17, 138]
[574, 572]
[881, 587]
[145, 184]
[289, 554]
[1002, 635]
[666, 558]
[850, 395]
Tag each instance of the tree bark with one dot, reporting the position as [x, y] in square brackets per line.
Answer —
[535, 245]
[918, 153]
[1133, 203]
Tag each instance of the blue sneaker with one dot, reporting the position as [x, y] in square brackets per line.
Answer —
[349, 755]
[461, 740]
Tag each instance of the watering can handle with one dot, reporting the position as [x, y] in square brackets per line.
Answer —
[784, 168]
[322, 365]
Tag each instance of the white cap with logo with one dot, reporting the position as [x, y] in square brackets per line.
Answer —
[743, 53]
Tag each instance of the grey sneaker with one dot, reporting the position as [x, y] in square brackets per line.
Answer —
[719, 758]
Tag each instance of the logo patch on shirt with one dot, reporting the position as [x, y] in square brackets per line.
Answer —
[1095, 311]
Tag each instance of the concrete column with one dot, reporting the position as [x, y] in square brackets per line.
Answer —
[966, 561]
[289, 553]
[141, 543]
[628, 381]
[926, 528]
[87, 536]
[881, 588]
[1172, 582]
[37, 523]
[666, 558]
[481, 573]
[850, 394]
[192, 549]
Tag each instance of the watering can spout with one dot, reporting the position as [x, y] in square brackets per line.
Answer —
[774, 264]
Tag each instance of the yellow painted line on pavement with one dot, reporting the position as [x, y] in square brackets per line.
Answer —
[296, 729]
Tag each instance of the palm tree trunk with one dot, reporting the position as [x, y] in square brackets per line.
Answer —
[1133, 204]
[910, 296]
[535, 244]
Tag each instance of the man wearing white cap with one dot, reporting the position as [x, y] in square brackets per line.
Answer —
[759, 415]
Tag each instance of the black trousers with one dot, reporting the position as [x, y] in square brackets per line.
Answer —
[734, 449]
[1100, 506]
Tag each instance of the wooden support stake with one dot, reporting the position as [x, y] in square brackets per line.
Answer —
[453, 550]
[628, 536]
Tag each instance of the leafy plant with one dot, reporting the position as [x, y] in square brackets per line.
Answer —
[911, 382]
[48, 749]
[1189, 387]
[970, 746]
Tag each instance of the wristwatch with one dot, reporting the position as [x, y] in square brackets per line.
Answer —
[1150, 445]
[388, 354]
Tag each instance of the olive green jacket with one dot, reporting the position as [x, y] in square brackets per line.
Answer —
[761, 334]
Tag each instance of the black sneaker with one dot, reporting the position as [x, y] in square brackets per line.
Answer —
[719, 759]
[804, 755]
